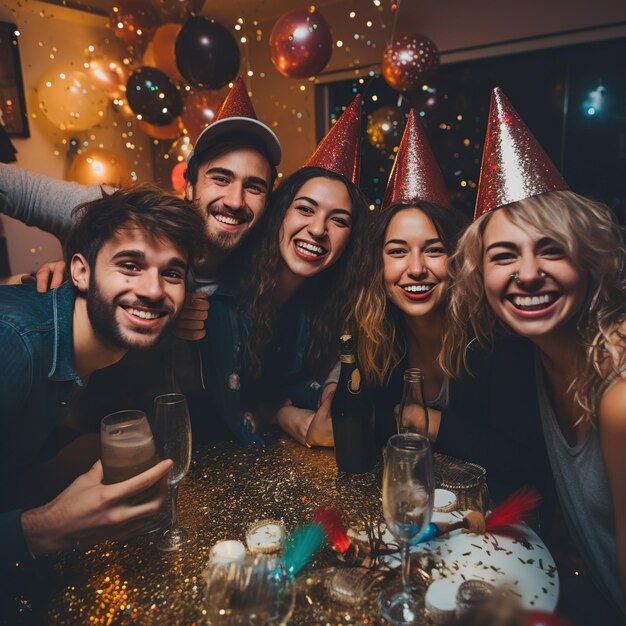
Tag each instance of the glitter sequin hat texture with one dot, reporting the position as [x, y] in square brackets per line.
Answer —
[514, 166]
[236, 115]
[415, 174]
[340, 150]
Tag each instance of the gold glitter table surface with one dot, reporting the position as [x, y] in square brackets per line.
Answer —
[227, 489]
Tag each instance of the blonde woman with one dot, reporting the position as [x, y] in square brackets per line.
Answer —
[549, 265]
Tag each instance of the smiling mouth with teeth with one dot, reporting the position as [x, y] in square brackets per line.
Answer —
[534, 303]
[144, 315]
[308, 249]
[228, 219]
[417, 288]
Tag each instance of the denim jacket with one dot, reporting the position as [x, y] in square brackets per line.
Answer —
[228, 331]
[37, 381]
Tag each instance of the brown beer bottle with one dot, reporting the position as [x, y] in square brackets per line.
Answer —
[352, 415]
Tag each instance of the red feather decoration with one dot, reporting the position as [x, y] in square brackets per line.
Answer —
[514, 509]
[331, 521]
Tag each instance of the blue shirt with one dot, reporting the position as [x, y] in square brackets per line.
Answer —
[230, 388]
[37, 381]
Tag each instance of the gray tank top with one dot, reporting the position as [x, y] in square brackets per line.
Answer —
[585, 495]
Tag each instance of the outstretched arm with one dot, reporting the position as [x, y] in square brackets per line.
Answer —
[41, 201]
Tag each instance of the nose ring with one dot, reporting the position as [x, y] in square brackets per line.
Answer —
[542, 274]
[515, 276]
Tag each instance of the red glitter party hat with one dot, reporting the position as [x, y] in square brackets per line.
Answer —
[340, 150]
[515, 166]
[415, 174]
[237, 115]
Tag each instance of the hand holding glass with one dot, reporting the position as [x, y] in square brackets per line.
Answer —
[172, 430]
[127, 448]
[408, 488]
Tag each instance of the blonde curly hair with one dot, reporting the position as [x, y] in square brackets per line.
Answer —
[587, 231]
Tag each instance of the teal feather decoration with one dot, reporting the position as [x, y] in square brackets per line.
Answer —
[301, 545]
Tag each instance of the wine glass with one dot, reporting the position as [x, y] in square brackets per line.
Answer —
[255, 591]
[408, 488]
[172, 431]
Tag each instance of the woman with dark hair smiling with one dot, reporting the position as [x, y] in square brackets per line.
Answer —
[274, 329]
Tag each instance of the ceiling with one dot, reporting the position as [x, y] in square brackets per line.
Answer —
[224, 12]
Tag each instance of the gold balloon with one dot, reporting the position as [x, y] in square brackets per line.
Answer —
[110, 75]
[71, 99]
[384, 128]
[96, 166]
[170, 131]
[148, 59]
[163, 50]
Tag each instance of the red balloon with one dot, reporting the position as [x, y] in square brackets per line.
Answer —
[199, 109]
[133, 21]
[177, 176]
[542, 618]
[409, 62]
[301, 43]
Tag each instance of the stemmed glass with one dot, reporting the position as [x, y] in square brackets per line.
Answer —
[408, 487]
[256, 591]
[172, 431]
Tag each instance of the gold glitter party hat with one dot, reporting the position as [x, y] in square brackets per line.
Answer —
[340, 150]
[515, 166]
[415, 174]
[237, 115]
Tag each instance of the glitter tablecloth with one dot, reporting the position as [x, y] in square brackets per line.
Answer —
[227, 489]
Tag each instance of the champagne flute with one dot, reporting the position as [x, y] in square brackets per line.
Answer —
[408, 488]
[172, 431]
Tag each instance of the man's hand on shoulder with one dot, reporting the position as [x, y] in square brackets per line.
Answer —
[49, 276]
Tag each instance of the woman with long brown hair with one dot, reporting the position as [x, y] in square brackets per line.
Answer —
[547, 264]
[274, 329]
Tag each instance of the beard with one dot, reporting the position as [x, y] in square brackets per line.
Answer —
[223, 242]
[102, 316]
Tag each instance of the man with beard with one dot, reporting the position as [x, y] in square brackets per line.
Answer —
[230, 174]
[128, 258]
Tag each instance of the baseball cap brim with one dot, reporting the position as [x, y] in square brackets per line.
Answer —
[245, 125]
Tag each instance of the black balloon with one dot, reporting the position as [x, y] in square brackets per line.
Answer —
[153, 95]
[206, 53]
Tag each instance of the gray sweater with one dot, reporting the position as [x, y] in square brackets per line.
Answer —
[41, 201]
